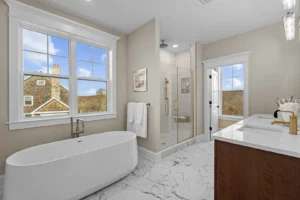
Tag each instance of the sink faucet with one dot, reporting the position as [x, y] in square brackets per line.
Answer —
[292, 123]
[78, 131]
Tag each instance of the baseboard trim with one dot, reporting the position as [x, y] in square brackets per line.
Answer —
[2, 182]
[201, 138]
[156, 157]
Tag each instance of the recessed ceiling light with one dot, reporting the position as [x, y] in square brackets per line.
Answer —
[175, 45]
[88, 0]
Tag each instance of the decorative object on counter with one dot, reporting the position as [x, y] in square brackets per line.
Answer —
[185, 85]
[291, 104]
[140, 80]
[283, 101]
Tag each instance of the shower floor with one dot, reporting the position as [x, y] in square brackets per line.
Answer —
[172, 138]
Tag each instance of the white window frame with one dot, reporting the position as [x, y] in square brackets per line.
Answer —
[242, 58]
[25, 16]
[31, 100]
[221, 116]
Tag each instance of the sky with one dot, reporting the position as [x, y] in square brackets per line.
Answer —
[91, 61]
[233, 77]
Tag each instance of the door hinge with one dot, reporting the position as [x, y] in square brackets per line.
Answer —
[210, 76]
[210, 128]
[210, 102]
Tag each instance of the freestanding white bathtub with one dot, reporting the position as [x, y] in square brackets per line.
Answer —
[70, 169]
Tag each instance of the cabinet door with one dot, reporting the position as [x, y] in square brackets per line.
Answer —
[251, 174]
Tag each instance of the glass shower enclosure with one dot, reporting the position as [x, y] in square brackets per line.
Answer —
[176, 110]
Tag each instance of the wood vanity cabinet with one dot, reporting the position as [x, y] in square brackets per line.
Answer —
[243, 173]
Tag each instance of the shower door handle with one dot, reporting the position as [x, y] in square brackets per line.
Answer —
[175, 103]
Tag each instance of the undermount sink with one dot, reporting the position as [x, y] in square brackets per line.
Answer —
[265, 117]
[259, 129]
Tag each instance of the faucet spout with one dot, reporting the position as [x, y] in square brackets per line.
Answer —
[293, 121]
[75, 134]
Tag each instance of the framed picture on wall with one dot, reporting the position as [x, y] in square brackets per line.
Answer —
[185, 85]
[140, 80]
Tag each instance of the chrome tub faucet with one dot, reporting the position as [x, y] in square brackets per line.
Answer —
[75, 134]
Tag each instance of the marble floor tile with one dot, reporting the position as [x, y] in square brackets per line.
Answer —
[186, 175]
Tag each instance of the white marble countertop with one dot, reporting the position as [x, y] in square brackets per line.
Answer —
[274, 138]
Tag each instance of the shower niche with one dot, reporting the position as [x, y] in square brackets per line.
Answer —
[177, 93]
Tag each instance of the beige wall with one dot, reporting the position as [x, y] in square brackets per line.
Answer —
[13, 141]
[200, 89]
[274, 68]
[143, 52]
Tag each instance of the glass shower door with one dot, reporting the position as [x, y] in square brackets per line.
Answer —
[183, 104]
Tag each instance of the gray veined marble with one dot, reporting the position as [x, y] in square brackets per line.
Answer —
[185, 175]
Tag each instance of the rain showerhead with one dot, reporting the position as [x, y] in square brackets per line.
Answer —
[163, 45]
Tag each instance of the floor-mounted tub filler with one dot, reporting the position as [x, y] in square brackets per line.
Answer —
[70, 169]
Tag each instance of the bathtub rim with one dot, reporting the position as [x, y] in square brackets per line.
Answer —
[8, 163]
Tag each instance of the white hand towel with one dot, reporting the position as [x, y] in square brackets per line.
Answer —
[139, 113]
[130, 117]
[131, 112]
[141, 127]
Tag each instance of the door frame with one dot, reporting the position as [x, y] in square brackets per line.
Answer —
[219, 62]
[211, 89]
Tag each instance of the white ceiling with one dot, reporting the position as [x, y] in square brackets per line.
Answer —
[182, 21]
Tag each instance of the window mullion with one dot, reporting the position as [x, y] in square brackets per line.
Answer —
[48, 70]
[73, 80]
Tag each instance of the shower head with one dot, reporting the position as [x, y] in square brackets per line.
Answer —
[163, 45]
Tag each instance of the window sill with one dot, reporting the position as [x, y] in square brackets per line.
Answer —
[41, 122]
[231, 117]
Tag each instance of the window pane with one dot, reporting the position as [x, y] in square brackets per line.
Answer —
[100, 55]
[233, 103]
[227, 71]
[227, 84]
[28, 100]
[58, 46]
[99, 71]
[238, 70]
[59, 65]
[34, 41]
[238, 83]
[35, 62]
[84, 69]
[49, 99]
[83, 52]
[91, 96]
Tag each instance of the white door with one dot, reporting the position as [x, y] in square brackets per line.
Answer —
[215, 101]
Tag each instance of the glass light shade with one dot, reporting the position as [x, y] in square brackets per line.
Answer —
[289, 26]
[289, 4]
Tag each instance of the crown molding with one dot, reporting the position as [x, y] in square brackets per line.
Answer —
[21, 10]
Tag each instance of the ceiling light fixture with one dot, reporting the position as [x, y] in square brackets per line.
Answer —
[175, 45]
[88, 0]
[289, 25]
[289, 4]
